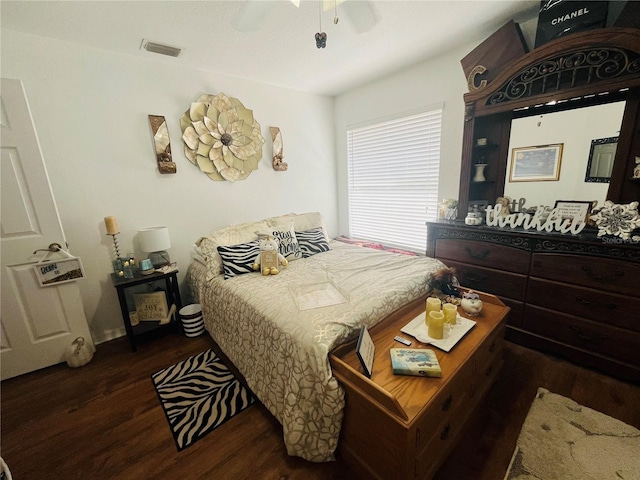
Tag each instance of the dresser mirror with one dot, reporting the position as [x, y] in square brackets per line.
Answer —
[587, 153]
[593, 71]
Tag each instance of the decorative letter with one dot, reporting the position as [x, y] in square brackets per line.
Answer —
[491, 214]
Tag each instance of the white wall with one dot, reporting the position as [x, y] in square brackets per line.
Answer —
[90, 111]
[433, 81]
[439, 80]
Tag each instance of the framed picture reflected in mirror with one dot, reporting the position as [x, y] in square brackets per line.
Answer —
[536, 164]
[601, 157]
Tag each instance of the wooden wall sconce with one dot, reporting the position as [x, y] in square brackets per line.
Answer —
[278, 154]
[162, 145]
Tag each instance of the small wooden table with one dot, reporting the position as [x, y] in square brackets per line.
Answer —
[173, 297]
[403, 427]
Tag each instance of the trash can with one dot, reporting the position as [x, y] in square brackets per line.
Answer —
[192, 321]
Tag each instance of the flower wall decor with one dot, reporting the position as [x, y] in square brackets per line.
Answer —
[221, 137]
[618, 220]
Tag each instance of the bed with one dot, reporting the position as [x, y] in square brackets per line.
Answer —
[278, 330]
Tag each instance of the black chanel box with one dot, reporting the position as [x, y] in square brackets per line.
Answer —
[563, 17]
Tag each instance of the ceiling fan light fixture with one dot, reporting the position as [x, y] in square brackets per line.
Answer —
[321, 40]
[160, 48]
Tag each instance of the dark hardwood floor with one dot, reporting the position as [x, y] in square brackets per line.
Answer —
[104, 421]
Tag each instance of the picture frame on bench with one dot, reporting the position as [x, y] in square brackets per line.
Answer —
[365, 349]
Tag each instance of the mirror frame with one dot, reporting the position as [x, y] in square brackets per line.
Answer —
[585, 68]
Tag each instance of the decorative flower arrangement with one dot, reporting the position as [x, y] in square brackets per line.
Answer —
[221, 137]
[448, 209]
[618, 220]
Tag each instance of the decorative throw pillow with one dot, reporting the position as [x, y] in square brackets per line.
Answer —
[286, 236]
[238, 259]
[232, 235]
[312, 241]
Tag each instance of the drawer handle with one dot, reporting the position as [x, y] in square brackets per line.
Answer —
[595, 304]
[602, 278]
[476, 255]
[488, 371]
[446, 405]
[588, 338]
[445, 432]
[473, 278]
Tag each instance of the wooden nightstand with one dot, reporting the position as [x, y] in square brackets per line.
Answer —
[173, 298]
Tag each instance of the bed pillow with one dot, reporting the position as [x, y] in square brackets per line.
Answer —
[238, 259]
[286, 235]
[312, 241]
[232, 235]
[308, 221]
[301, 221]
[289, 247]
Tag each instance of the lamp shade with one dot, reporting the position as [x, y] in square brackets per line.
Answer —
[154, 239]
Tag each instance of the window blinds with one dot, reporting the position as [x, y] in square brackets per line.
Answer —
[393, 179]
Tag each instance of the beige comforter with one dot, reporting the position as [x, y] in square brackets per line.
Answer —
[283, 351]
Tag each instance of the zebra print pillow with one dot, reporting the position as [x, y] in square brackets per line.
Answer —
[238, 259]
[312, 241]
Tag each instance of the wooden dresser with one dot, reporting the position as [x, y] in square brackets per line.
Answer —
[573, 295]
[402, 427]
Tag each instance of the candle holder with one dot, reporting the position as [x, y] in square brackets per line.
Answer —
[115, 244]
[118, 262]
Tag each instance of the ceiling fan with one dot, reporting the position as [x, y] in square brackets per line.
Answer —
[360, 13]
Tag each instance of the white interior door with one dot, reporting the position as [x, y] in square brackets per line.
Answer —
[38, 323]
[602, 163]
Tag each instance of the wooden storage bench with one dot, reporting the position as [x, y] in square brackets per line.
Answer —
[403, 427]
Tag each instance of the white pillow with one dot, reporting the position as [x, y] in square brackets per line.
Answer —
[301, 222]
[286, 235]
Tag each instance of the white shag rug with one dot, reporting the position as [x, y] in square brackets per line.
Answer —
[562, 440]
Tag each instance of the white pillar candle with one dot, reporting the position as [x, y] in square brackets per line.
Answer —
[435, 326]
[450, 313]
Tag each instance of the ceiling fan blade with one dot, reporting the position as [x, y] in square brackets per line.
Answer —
[251, 15]
[330, 4]
[361, 15]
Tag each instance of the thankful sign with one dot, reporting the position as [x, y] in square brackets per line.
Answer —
[555, 221]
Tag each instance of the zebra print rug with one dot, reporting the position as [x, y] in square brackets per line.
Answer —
[198, 395]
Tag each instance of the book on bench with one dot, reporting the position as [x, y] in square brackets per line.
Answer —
[415, 361]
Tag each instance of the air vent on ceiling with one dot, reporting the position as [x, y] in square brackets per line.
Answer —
[161, 49]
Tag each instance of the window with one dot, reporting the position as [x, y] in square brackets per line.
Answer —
[393, 179]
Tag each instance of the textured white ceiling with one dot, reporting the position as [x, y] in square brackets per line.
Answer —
[281, 50]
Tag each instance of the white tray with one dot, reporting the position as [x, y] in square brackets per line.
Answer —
[418, 329]
[317, 295]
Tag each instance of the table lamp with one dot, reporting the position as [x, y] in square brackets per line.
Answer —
[155, 241]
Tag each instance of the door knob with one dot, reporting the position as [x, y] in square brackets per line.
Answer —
[53, 247]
